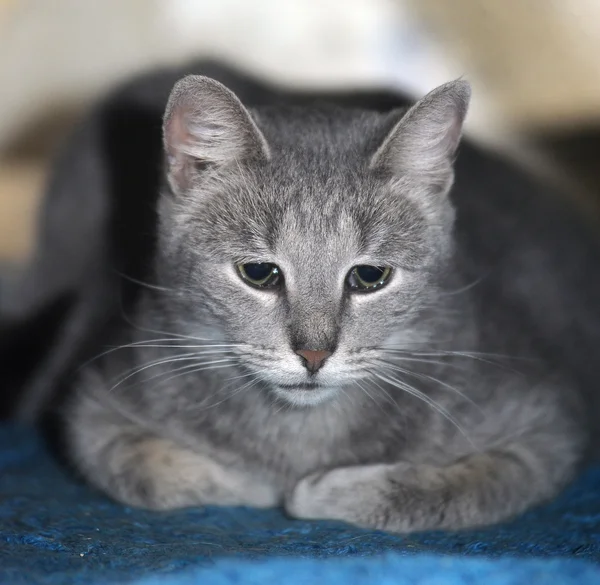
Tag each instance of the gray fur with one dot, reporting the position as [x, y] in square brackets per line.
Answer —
[434, 410]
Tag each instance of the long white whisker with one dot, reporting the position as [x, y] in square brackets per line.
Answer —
[193, 369]
[147, 284]
[240, 376]
[189, 346]
[170, 359]
[152, 344]
[371, 397]
[468, 286]
[460, 353]
[409, 358]
[421, 396]
[494, 358]
[389, 397]
[243, 387]
[159, 332]
[432, 379]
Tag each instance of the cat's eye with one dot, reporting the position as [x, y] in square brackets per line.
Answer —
[367, 278]
[260, 274]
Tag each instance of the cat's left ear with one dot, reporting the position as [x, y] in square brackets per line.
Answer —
[206, 125]
[423, 143]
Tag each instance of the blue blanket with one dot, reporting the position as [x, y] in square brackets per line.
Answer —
[53, 529]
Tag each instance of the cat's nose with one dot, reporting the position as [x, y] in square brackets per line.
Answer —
[313, 359]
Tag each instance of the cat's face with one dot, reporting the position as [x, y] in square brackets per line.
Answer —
[303, 243]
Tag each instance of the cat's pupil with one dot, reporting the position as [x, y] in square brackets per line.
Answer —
[258, 271]
[370, 274]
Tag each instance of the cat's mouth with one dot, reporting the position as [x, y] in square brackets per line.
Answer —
[304, 394]
[300, 386]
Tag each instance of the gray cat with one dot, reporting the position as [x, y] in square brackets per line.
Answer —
[315, 338]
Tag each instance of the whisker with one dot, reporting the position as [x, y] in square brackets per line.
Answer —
[241, 376]
[389, 398]
[282, 406]
[159, 332]
[152, 364]
[371, 397]
[423, 376]
[157, 287]
[466, 287]
[242, 388]
[426, 399]
[410, 358]
[182, 368]
[193, 369]
[147, 284]
[461, 353]
[493, 359]
[190, 345]
[153, 343]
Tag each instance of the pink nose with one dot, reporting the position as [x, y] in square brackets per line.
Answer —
[313, 359]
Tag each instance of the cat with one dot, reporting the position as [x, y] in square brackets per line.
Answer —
[334, 324]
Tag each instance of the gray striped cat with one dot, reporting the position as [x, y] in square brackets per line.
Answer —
[315, 338]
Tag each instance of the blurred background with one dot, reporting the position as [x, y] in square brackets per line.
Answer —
[533, 63]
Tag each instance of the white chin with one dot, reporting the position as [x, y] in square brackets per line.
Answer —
[303, 396]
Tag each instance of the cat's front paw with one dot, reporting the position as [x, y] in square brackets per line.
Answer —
[359, 495]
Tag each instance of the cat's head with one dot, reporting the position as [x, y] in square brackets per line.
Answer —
[309, 238]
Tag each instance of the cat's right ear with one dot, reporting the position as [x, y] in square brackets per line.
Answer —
[206, 125]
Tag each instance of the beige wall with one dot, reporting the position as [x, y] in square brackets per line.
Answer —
[538, 60]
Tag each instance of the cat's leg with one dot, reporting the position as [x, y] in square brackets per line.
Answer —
[140, 468]
[480, 489]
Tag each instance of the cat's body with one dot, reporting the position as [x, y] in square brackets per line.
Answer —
[515, 301]
[316, 191]
[199, 440]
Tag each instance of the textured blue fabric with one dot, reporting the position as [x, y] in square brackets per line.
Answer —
[55, 530]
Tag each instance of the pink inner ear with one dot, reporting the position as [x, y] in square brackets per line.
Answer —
[177, 145]
[177, 136]
[451, 137]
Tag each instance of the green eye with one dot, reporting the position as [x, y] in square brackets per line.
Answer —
[260, 274]
[368, 278]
